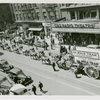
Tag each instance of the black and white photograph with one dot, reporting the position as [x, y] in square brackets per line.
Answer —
[50, 49]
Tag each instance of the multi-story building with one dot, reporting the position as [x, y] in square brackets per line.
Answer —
[36, 14]
[82, 24]
[5, 16]
[33, 12]
[81, 11]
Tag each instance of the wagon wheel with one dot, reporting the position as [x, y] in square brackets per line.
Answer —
[92, 72]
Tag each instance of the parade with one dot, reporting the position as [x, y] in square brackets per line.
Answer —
[43, 58]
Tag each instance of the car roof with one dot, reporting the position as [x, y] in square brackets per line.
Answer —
[4, 76]
[18, 88]
[15, 70]
[1, 78]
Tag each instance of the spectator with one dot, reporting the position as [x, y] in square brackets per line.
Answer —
[61, 49]
[45, 45]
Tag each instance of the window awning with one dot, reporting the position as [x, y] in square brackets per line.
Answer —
[35, 29]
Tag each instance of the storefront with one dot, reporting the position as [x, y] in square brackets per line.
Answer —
[36, 28]
[79, 33]
[37, 31]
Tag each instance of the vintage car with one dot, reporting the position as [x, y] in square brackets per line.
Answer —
[18, 76]
[5, 66]
[5, 83]
[19, 89]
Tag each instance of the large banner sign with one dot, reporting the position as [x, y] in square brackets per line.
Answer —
[84, 54]
[76, 27]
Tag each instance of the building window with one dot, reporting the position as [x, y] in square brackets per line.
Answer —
[72, 14]
[18, 6]
[93, 14]
[33, 15]
[16, 16]
[38, 15]
[87, 14]
[52, 17]
[44, 13]
[81, 16]
[67, 5]
[45, 17]
[15, 7]
[63, 4]
[29, 5]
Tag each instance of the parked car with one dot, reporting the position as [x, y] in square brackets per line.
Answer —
[5, 83]
[5, 66]
[18, 76]
[19, 89]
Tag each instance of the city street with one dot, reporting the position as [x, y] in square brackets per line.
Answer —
[62, 82]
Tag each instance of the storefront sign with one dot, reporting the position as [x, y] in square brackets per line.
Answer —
[84, 54]
[75, 25]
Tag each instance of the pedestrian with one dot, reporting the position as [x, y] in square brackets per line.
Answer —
[34, 89]
[54, 65]
[40, 86]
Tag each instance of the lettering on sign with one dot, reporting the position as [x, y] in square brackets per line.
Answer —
[73, 25]
[85, 54]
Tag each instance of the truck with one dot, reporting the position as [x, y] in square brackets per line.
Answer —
[90, 58]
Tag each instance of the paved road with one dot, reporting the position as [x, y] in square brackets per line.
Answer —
[56, 83]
